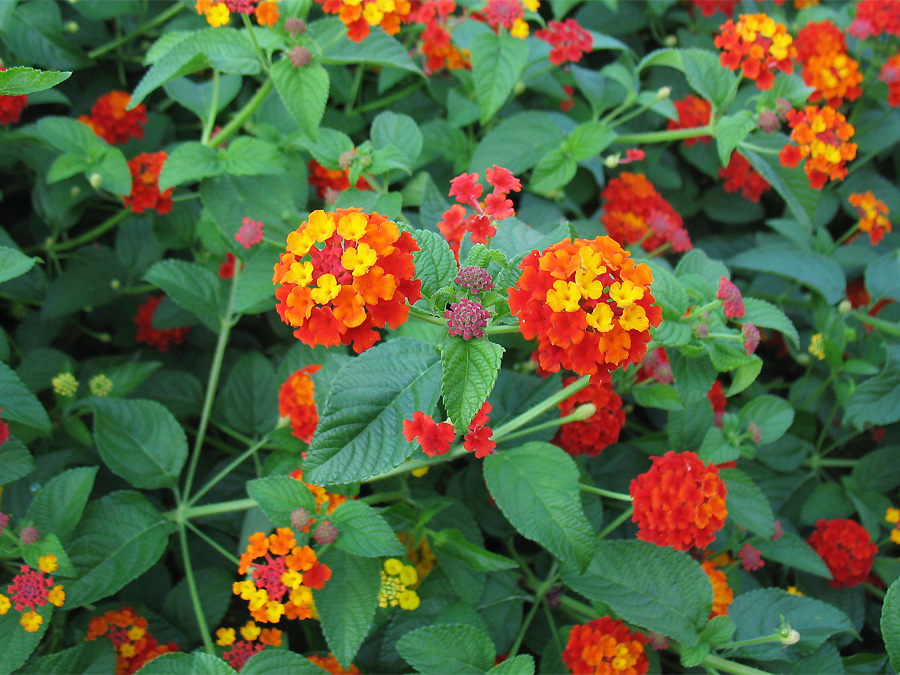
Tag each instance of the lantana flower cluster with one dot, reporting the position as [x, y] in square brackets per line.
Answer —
[436, 42]
[587, 303]
[758, 45]
[253, 640]
[873, 215]
[847, 549]
[722, 593]
[218, 12]
[510, 14]
[890, 75]
[396, 581]
[823, 141]
[569, 41]
[31, 589]
[332, 665]
[874, 17]
[134, 643]
[112, 121]
[741, 177]
[296, 402]
[822, 51]
[594, 434]
[360, 15]
[145, 194]
[608, 646]
[693, 112]
[436, 438]
[329, 182]
[146, 333]
[635, 212]
[358, 281]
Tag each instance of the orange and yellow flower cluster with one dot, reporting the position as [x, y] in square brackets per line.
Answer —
[296, 402]
[358, 281]
[635, 212]
[722, 593]
[281, 577]
[332, 665]
[328, 182]
[600, 430]
[822, 50]
[110, 120]
[758, 46]
[435, 42]
[322, 495]
[823, 136]
[254, 640]
[587, 303]
[606, 646]
[360, 15]
[133, 642]
[31, 589]
[218, 12]
[873, 215]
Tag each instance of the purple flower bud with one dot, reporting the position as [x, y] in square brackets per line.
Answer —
[29, 534]
[4, 521]
[751, 558]
[346, 159]
[476, 279]
[751, 337]
[467, 319]
[295, 26]
[300, 519]
[778, 531]
[783, 107]
[768, 121]
[300, 56]
[326, 533]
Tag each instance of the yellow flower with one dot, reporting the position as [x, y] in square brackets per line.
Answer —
[57, 596]
[520, 29]
[892, 516]
[408, 600]
[408, 575]
[393, 566]
[250, 631]
[218, 15]
[47, 563]
[31, 621]
[817, 346]
[5, 604]
[895, 536]
[225, 636]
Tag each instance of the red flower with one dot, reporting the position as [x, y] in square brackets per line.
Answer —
[600, 430]
[741, 177]
[822, 135]
[874, 17]
[732, 300]
[890, 75]
[110, 120]
[606, 646]
[693, 111]
[481, 224]
[758, 45]
[4, 436]
[635, 212]
[134, 644]
[679, 502]
[226, 269]
[716, 396]
[478, 437]
[822, 50]
[434, 438]
[502, 179]
[569, 40]
[655, 366]
[466, 188]
[331, 180]
[161, 339]
[250, 233]
[295, 401]
[11, 107]
[145, 194]
[846, 548]
[751, 558]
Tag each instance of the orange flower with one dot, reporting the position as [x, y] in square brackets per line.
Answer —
[722, 594]
[360, 15]
[360, 280]
[606, 646]
[873, 215]
[846, 548]
[145, 194]
[822, 50]
[693, 111]
[295, 400]
[267, 13]
[600, 430]
[757, 45]
[110, 120]
[329, 181]
[741, 177]
[161, 339]
[823, 136]
[635, 212]
[330, 664]
[134, 644]
[11, 107]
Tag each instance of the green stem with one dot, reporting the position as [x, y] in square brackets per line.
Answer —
[426, 317]
[237, 461]
[542, 407]
[535, 605]
[665, 136]
[757, 148]
[821, 462]
[190, 512]
[194, 593]
[387, 100]
[260, 54]
[746, 643]
[234, 560]
[162, 17]
[877, 592]
[501, 329]
[606, 493]
[892, 329]
[210, 121]
[379, 497]
[243, 115]
[91, 234]
[719, 663]
[354, 89]
[625, 515]
[574, 417]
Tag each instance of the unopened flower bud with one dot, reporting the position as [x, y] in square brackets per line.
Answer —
[701, 330]
[750, 334]
[519, 89]
[663, 93]
[768, 121]
[475, 279]
[612, 161]
[300, 56]
[29, 534]
[844, 307]
[670, 41]
[115, 284]
[96, 180]
[365, 161]
[326, 533]
[346, 159]
[65, 384]
[584, 412]
[74, 191]
[755, 432]
[467, 319]
[783, 107]
[100, 385]
[300, 519]
[70, 27]
[295, 26]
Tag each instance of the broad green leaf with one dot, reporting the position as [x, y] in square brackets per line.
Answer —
[747, 505]
[347, 602]
[16, 645]
[198, 96]
[398, 131]
[20, 405]
[687, 428]
[708, 77]
[657, 395]
[878, 470]
[727, 354]
[764, 314]
[370, 397]
[448, 648]
[553, 171]
[270, 199]
[668, 291]
[877, 400]
[189, 163]
[249, 400]
[654, 587]
[451, 542]
[34, 34]
[304, 92]
[536, 488]
[890, 623]
[771, 414]
[14, 263]
[246, 156]
[191, 287]
[58, 505]
[363, 532]
[106, 558]
[497, 64]
[279, 496]
[378, 48]
[87, 281]
[821, 274]
[883, 277]
[517, 143]
[49, 544]
[693, 377]
[589, 139]
[254, 293]
[196, 663]
[523, 664]
[280, 662]
[435, 265]
[758, 613]
[469, 371]
[662, 57]
[731, 130]
[716, 449]
[140, 440]
[719, 629]
[126, 377]
[790, 550]
[96, 657]
[15, 461]
[21, 80]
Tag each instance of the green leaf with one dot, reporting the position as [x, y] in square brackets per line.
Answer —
[758, 613]
[177, 663]
[716, 449]
[878, 470]
[773, 415]
[694, 656]
[820, 273]
[708, 77]
[363, 532]
[15, 461]
[687, 428]
[279, 496]
[553, 171]
[189, 163]
[370, 397]
[876, 401]
[720, 629]
[270, 199]
[16, 645]
[21, 80]
[214, 586]
[497, 64]
[304, 92]
[34, 34]
[20, 405]
[49, 544]
[347, 602]
[96, 657]
[378, 48]
[106, 558]
[747, 505]
[396, 130]
[14, 263]
[589, 139]
[731, 130]
[191, 287]
[883, 277]
[668, 291]
[254, 293]
[469, 371]
[280, 662]
[139, 440]
[536, 488]
[246, 156]
[523, 664]
[58, 505]
[671, 595]
[657, 395]
[764, 314]
[662, 57]
[726, 354]
[448, 648]
[517, 143]
[453, 543]
[435, 264]
[790, 550]
[693, 377]
[198, 96]
[743, 376]
[890, 623]
[249, 400]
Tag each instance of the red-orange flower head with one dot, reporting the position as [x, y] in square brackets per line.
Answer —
[722, 593]
[569, 41]
[328, 182]
[890, 75]
[846, 548]
[110, 120]
[822, 51]
[11, 107]
[757, 45]
[823, 136]
[693, 111]
[280, 577]
[588, 305]
[436, 41]
[874, 17]
[741, 177]
[295, 401]
[709, 7]
[332, 665]
[360, 280]
[606, 646]
[600, 430]
[360, 15]
[146, 333]
[679, 502]
[873, 215]
[635, 212]
[145, 194]
[134, 644]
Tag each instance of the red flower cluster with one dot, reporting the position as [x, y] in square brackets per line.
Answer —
[822, 50]
[823, 135]
[588, 304]
[436, 438]
[510, 14]
[146, 333]
[250, 233]
[360, 15]
[4, 433]
[600, 430]
[741, 177]
[11, 107]
[31, 589]
[569, 41]
[693, 112]
[295, 401]
[357, 282]
[890, 75]
[873, 215]
[709, 7]
[436, 44]
[635, 212]
[480, 225]
[732, 300]
[846, 548]
[330, 181]
[145, 194]
[134, 644]
[874, 17]
[606, 646]
[110, 120]
[679, 502]
[722, 593]
[255, 640]
[758, 46]
[716, 396]
[226, 269]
